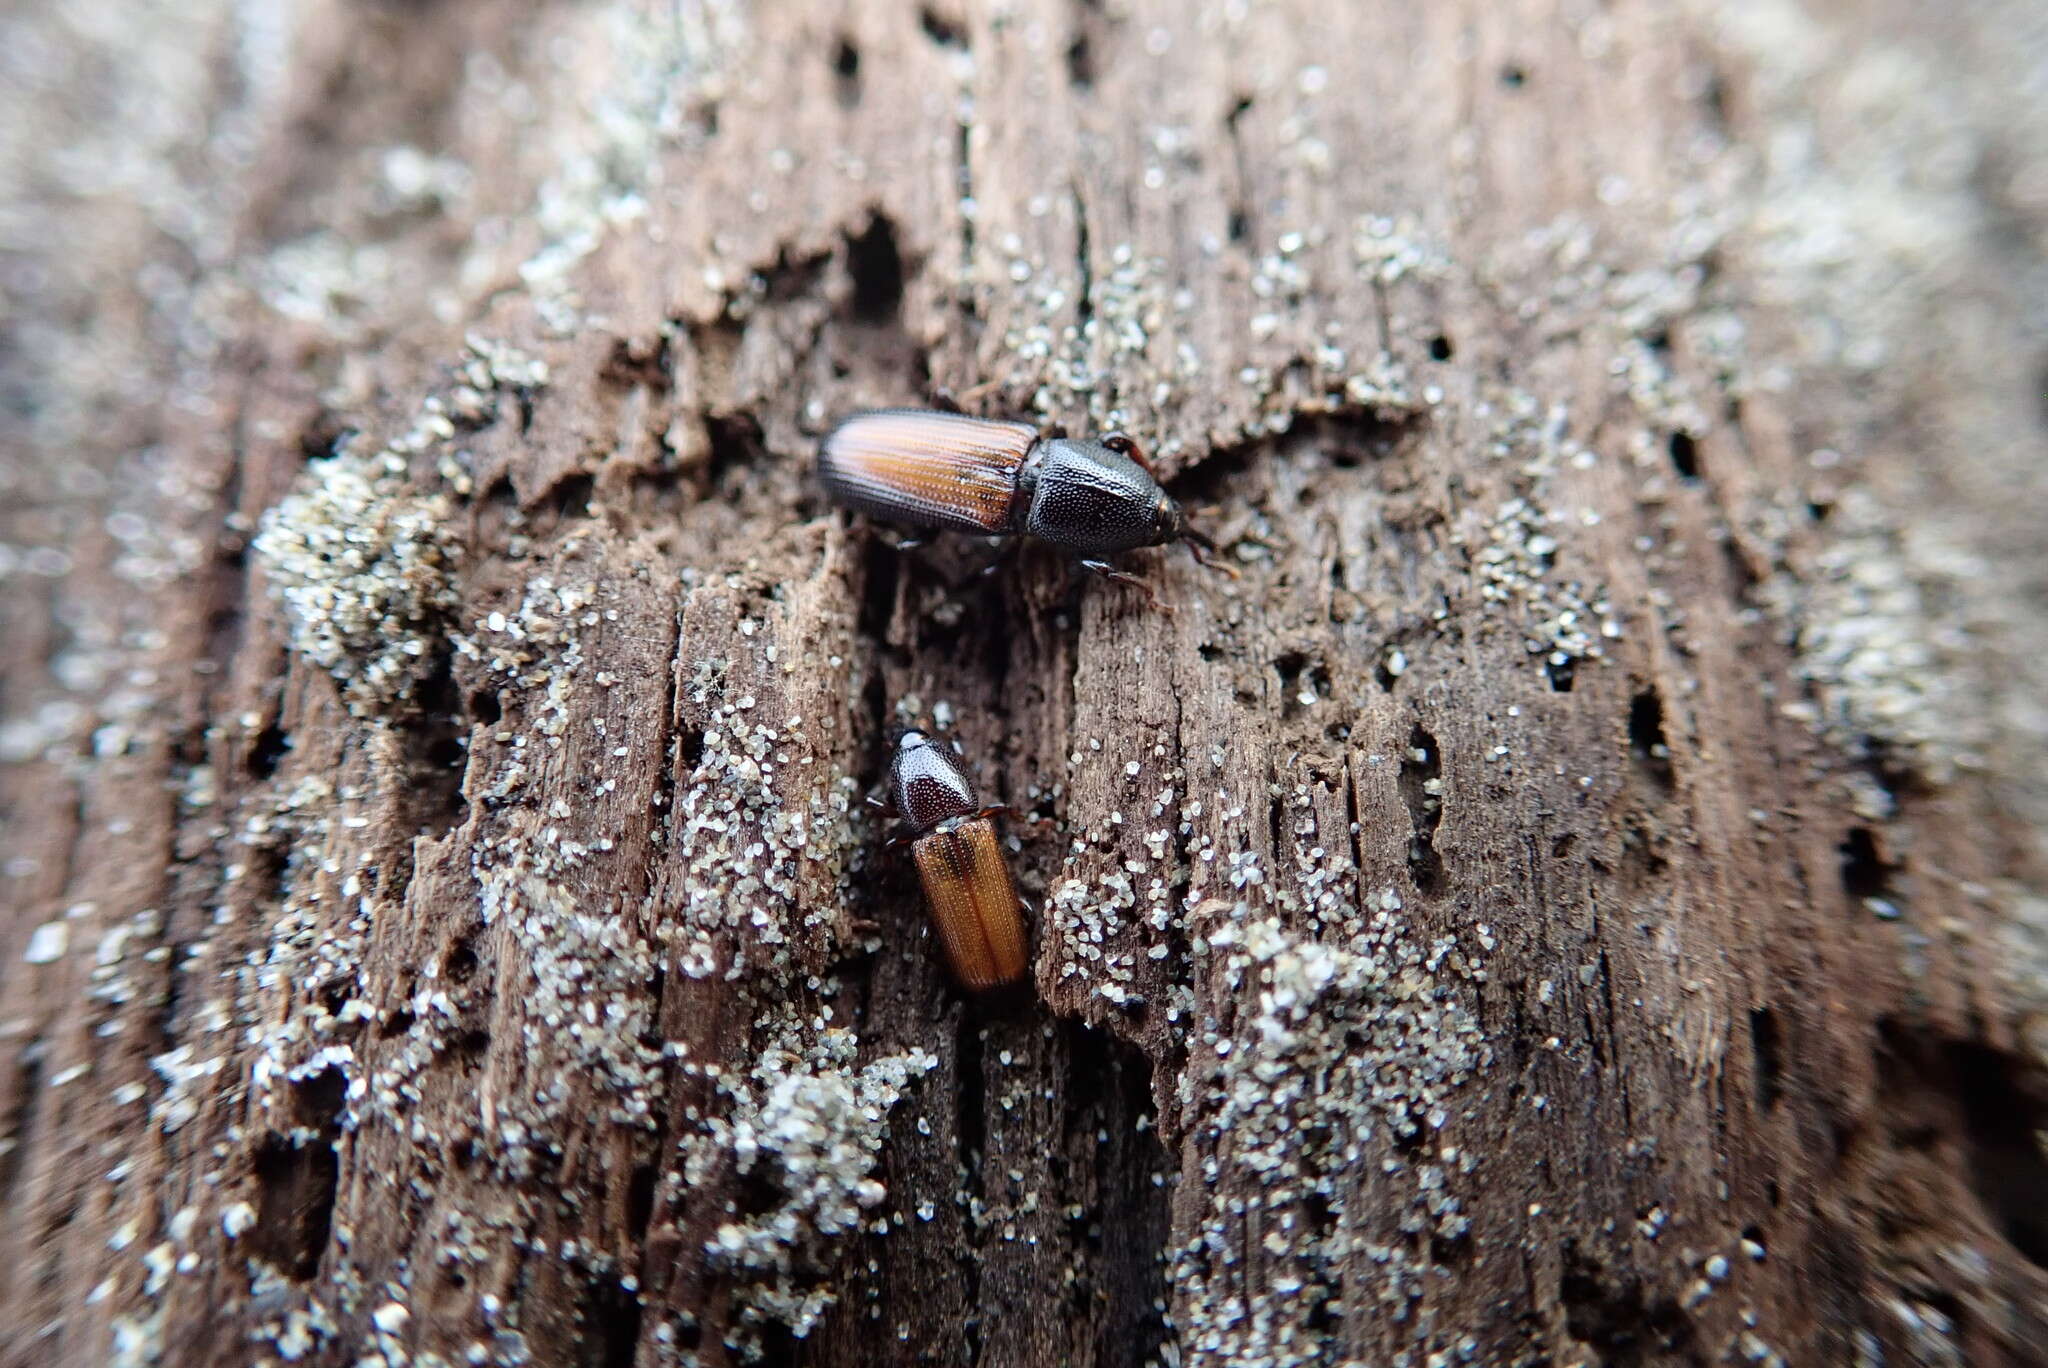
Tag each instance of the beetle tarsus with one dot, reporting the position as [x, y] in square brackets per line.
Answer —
[1018, 815]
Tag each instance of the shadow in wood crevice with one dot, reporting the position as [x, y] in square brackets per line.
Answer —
[21, 1120]
[1648, 746]
[1767, 1048]
[295, 1187]
[970, 1136]
[1111, 1149]
[846, 72]
[611, 1317]
[634, 363]
[1239, 223]
[267, 750]
[735, 443]
[791, 276]
[942, 29]
[434, 736]
[875, 264]
[1984, 1106]
[1421, 769]
[1611, 1310]
[1867, 876]
[1303, 680]
[1685, 456]
[565, 500]
[296, 1174]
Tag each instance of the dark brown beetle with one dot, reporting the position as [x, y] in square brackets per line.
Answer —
[974, 905]
[951, 472]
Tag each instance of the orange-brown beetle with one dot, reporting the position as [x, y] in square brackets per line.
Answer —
[947, 471]
[974, 905]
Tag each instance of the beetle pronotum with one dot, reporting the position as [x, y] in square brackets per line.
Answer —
[951, 472]
[974, 906]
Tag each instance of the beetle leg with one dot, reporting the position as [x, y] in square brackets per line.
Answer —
[1127, 446]
[1110, 572]
[1017, 815]
[1203, 549]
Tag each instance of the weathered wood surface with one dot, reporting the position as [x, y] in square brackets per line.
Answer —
[1566, 903]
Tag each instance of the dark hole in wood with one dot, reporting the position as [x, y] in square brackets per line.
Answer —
[1685, 455]
[1514, 76]
[638, 363]
[1081, 63]
[969, 1125]
[689, 749]
[269, 747]
[640, 1198]
[735, 443]
[876, 265]
[1767, 1047]
[570, 496]
[846, 73]
[437, 753]
[323, 435]
[1293, 667]
[941, 30]
[485, 707]
[397, 1024]
[459, 965]
[1240, 219]
[1561, 674]
[613, 1314]
[1714, 98]
[21, 1121]
[1864, 872]
[317, 1101]
[881, 583]
[1772, 1194]
[1646, 737]
[1440, 348]
[2005, 1107]
[295, 1185]
[1109, 1094]
[1422, 764]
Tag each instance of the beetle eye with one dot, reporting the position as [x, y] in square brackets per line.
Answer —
[1120, 444]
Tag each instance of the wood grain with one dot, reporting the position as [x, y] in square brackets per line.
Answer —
[1568, 902]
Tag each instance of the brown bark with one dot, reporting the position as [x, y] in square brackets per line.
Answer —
[1567, 902]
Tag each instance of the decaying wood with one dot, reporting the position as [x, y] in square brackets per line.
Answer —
[1565, 903]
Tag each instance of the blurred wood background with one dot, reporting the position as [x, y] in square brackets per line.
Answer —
[1572, 901]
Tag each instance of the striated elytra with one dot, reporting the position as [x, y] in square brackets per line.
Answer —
[946, 471]
[974, 906]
